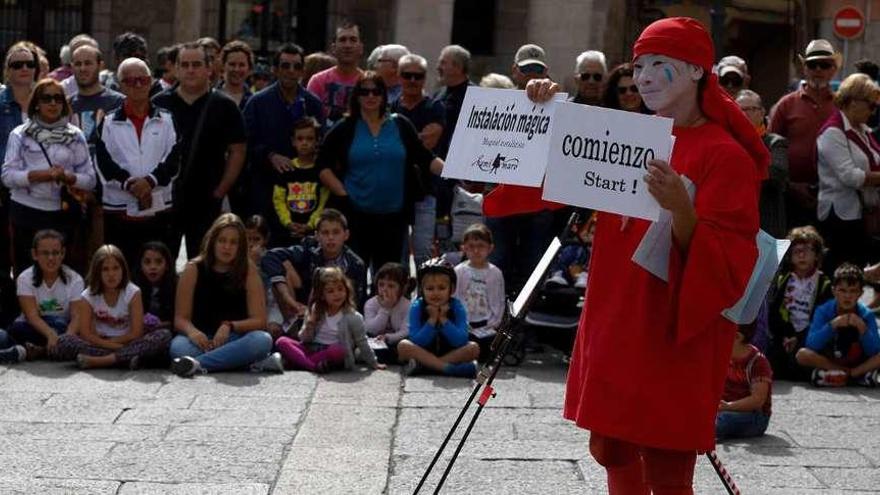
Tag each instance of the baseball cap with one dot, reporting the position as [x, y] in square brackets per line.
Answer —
[530, 54]
[732, 63]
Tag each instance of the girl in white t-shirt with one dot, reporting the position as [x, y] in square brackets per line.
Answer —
[48, 293]
[112, 331]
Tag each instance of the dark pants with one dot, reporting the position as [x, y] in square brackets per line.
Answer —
[192, 220]
[846, 242]
[130, 234]
[377, 238]
[23, 332]
[520, 241]
[25, 223]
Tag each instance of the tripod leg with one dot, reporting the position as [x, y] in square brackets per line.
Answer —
[487, 393]
[451, 432]
[722, 473]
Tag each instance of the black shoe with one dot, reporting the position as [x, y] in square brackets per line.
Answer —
[186, 366]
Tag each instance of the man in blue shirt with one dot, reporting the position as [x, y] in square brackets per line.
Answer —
[269, 116]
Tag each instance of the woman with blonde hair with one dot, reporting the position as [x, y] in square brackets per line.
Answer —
[849, 172]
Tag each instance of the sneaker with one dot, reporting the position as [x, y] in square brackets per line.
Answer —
[829, 378]
[581, 281]
[13, 355]
[556, 278]
[272, 362]
[465, 370]
[411, 368]
[870, 379]
[186, 366]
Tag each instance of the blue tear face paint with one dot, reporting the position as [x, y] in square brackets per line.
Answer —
[662, 82]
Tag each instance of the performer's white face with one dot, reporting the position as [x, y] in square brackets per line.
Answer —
[665, 82]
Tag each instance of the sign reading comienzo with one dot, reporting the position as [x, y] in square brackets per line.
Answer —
[501, 137]
[599, 157]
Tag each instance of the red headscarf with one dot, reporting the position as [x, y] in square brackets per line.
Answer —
[685, 39]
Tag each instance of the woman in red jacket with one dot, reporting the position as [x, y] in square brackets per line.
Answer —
[650, 358]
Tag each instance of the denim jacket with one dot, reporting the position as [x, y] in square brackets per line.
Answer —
[10, 117]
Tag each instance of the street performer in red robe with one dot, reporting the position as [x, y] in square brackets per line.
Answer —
[649, 362]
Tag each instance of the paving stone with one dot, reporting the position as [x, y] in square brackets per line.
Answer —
[295, 400]
[339, 483]
[25, 432]
[137, 488]
[234, 434]
[93, 413]
[246, 384]
[776, 456]
[54, 486]
[848, 479]
[506, 398]
[214, 417]
[116, 402]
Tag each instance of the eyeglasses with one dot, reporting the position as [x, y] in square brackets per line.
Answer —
[136, 81]
[819, 64]
[368, 92]
[622, 90]
[596, 76]
[532, 69]
[19, 64]
[54, 98]
[733, 80]
[49, 254]
[412, 76]
[290, 65]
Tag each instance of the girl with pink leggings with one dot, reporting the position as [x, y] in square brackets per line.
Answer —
[332, 328]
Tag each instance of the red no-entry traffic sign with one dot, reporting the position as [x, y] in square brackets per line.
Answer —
[849, 23]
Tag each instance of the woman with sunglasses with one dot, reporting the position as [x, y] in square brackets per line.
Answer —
[19, 74]
[621, 92]
[376, 167]
[849, 172]
[46, 157]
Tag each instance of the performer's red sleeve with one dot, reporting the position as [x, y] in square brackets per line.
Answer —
[713, 273]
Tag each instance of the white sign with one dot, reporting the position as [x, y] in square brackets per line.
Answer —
[501, 137]
[598, 159]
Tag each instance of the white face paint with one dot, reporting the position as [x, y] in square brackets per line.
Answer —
[665, 82]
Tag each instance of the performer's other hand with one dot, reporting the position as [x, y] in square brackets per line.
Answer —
[667, 187]
[541, 90]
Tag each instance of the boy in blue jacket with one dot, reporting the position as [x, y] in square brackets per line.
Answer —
[843, 343]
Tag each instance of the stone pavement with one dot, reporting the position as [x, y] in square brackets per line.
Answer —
[149, 432]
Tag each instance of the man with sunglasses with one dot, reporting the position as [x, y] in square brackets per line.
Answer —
[733, 74]
[797, 117]
[590, 73]
[269, 117]
[530, 62]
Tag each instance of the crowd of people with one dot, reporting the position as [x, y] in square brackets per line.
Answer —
[287, 187]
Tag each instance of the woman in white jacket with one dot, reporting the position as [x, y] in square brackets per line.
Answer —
[44, 157]
[138, 158]
[849, 172]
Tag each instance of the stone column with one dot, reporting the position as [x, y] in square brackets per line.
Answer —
[188, 20]
[425, 27]
[565, 29]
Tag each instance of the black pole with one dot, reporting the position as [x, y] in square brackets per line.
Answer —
[718, 14]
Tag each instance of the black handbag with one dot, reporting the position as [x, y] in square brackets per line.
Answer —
[73, 206]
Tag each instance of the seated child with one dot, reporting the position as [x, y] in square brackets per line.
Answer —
[386, 313]
[571, 264]
[157, 279]
[744, 410]
[438, 329]
[298, 196]
[112, 322]
[332, 329]
[843, 342]
[305, 258]
[794, 296]
[480, 283]
[49, 293]
[257, 237]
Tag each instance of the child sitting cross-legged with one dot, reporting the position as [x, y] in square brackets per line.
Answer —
[438, 326]
[332, 328]
[386, 313]
[843, 342]
[112, 324]
[744, 410]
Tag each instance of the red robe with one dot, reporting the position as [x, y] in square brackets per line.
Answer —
[650, 357]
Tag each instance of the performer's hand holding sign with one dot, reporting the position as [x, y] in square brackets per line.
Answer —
[668, 189]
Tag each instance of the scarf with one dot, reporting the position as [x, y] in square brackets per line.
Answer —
[686, 39]
[57, 132]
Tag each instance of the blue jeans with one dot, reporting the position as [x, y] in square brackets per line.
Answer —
[239, 351]
[5, 340]
[422, 231]
[734, 424]
[23, 332]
